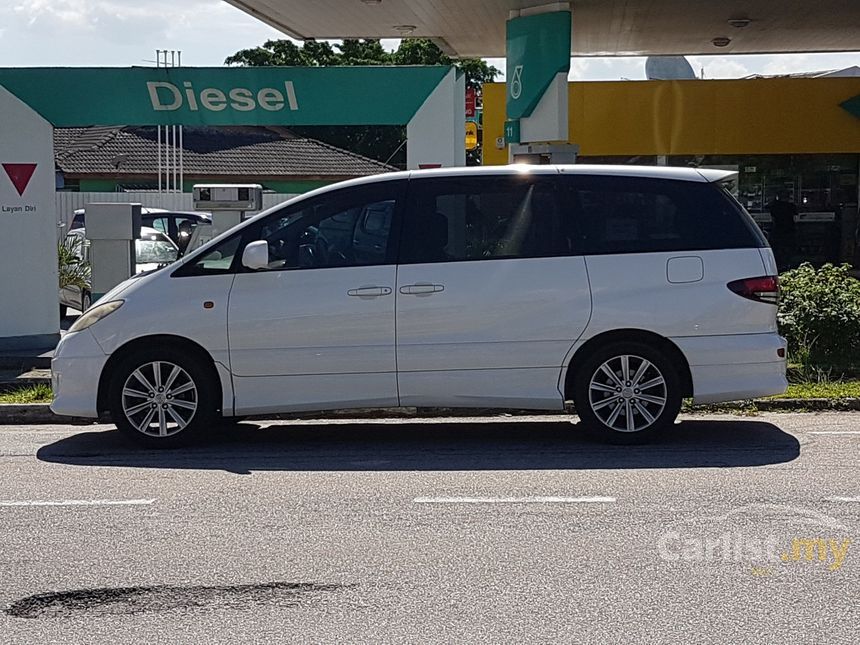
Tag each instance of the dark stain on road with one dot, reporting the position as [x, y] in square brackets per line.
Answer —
[134, 600]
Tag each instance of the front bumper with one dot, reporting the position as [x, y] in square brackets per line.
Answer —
[75, 372]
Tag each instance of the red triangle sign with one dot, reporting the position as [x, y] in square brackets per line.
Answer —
[20, 174]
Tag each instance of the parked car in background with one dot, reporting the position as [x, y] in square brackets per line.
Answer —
[177, 225]
[152, 251]
[623, 289]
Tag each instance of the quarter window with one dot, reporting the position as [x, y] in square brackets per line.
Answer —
[216, 260]
[636, 215]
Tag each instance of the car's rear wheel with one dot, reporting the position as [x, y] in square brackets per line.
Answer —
[627, 392]
[162, 397]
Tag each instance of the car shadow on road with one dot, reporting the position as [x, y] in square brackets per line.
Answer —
[428, 446]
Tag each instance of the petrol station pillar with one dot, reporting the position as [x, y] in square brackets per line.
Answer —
[538, 62]
[29, 287]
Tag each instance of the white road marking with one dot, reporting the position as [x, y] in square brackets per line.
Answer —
[514, 500]
[857, 432]
[77, 502]
[843, 499]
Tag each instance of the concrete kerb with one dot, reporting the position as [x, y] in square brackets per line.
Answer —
[35, 414]
[40, 413]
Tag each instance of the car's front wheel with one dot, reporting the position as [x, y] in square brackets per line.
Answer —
[626, 392]
[162, 397]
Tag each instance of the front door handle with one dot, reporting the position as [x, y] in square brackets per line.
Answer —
[421, 289]
[369, 292]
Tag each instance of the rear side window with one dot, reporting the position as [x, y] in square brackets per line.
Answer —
[482, 218]
[640, 215]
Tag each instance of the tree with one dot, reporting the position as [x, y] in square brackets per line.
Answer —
[311, 53]
[423, 51]
[384, 143]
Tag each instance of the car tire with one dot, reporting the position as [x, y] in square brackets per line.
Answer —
[86, 301]
[64, 311]
[610, 399]
[162, 398]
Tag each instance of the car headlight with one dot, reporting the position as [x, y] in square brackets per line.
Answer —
[95, 314]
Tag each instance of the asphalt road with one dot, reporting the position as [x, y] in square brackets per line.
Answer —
[491, 531]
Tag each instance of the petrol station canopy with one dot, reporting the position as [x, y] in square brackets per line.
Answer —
[600, 27]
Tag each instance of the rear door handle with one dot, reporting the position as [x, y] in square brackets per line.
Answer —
[369, 292]
[421, 289]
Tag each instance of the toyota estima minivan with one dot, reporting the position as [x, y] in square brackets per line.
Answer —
[621, 289]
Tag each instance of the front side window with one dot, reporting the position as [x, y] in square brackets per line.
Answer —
[349, 227]
[482, 218]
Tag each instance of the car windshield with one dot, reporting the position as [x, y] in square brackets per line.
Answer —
[155, 250]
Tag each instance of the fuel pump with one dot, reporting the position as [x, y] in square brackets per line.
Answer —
[111, 232]
[230, 204]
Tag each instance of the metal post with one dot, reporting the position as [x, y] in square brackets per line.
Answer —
[173, 132]
[158, 64]
[181, 146]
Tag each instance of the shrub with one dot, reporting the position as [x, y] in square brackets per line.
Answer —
[819, 314]
[73, 271]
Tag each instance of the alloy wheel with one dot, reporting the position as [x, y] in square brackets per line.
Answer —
[627, 393]
[159, 399]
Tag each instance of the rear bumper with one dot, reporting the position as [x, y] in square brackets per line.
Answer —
[75, 371]
[730, 368]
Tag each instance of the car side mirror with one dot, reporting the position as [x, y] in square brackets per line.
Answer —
[256, 255]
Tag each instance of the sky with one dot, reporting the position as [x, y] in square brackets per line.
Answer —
[100, 33]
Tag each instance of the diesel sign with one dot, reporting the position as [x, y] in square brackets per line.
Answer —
[166, 96]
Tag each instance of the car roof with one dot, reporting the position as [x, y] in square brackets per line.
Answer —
[146, 210]
[144, 230]
[203, 214]
[678, 173]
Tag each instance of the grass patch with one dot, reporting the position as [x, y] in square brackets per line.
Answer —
[745, 408]
[31, 394]
[836, 392]
[822, 390]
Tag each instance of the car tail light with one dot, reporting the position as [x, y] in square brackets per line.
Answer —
[763, 289]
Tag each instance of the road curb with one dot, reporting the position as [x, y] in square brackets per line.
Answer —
[36, 414]
[40, 413]
[800, 405]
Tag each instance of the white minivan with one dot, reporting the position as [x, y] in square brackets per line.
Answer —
[623, 289]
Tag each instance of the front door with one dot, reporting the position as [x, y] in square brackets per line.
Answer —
[316, 329]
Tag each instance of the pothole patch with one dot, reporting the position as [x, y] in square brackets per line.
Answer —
[134, 600]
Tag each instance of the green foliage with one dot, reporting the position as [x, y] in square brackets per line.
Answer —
[286, 53]
[819, 314]
[38, 393]
[73, 270]
[822, 390]
[383, 143]
[412, 51]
